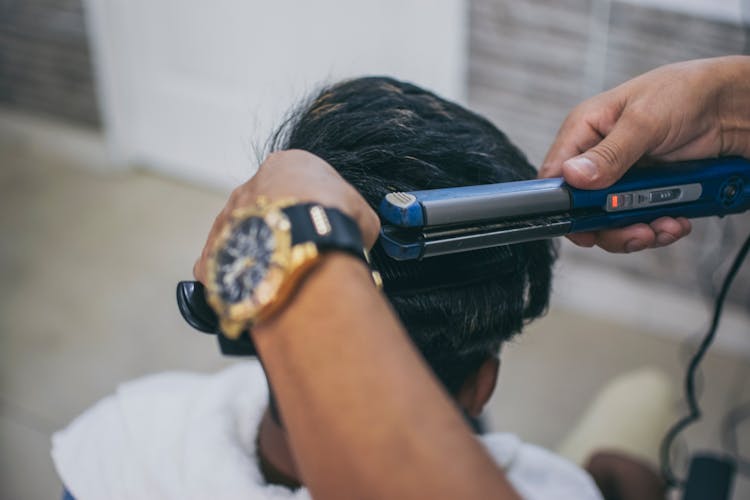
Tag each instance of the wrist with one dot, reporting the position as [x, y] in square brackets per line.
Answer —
[336, 274]
[265, 250]
[734, 105]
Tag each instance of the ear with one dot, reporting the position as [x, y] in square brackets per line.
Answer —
[479, 386]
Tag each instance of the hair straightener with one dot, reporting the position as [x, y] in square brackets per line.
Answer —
[423, 224]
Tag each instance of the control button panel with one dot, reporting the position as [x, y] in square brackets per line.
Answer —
[631, 200]
[665, 195]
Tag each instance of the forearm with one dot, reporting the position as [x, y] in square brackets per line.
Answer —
[350, 384]
[734, 108]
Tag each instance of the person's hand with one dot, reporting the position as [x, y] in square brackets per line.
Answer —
[305, 177]
[691, 110]
[624, 477]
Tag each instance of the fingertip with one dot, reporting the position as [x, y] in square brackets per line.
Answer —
[583, 239]
[635, 245]
[687, 226]
[626, 240]
[669, 230]
[550, 169]
[663, 239]
[668, 225]
[580, 171]
[584, 173]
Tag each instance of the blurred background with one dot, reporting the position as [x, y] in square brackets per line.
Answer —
[123, 125]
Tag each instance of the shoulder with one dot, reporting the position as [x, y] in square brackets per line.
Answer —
[134, 442]
[537, 473]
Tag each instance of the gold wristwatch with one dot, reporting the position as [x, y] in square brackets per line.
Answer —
[263, 252]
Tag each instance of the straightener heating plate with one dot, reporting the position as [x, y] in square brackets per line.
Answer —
[443, 240]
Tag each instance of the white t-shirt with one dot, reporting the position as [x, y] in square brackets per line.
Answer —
[192, 436]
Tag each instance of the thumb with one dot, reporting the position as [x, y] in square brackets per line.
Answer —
[604, 164]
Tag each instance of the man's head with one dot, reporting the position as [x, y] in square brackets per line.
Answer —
[385, 135]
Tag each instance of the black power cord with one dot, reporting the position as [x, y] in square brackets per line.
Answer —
[694, 411]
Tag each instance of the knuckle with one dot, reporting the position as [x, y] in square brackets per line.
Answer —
[236, 192]
[574, 116]
[642, 120]
[610, 152]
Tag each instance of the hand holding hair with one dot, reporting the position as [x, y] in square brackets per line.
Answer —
[300, 175]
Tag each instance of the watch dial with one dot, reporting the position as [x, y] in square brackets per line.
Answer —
[245, 259]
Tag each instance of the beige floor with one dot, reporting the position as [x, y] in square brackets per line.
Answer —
[88, 264]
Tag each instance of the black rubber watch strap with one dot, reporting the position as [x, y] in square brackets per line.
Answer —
[343, 234]
[328, 228]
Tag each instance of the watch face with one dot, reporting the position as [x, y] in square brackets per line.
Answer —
[245, 260]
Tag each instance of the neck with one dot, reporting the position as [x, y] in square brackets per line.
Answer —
[275, 456]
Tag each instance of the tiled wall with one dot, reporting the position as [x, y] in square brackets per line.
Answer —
[45, 62]
[528, 68]
[528, 58]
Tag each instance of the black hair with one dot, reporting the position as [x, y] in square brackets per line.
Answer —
[385, 135]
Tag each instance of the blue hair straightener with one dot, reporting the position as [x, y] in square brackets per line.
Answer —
[422, 224]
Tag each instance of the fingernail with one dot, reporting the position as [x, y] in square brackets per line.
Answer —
[635, 246]
[664, 239]
[583, 166]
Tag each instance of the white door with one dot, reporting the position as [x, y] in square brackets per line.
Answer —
[191, 88]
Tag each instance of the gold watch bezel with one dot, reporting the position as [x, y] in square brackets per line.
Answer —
[286, 262]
